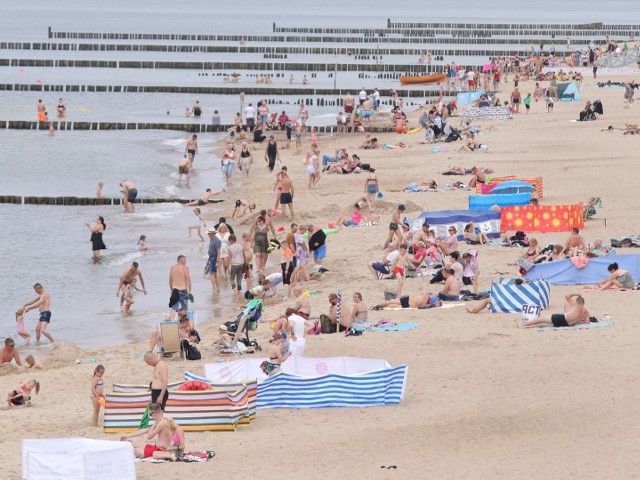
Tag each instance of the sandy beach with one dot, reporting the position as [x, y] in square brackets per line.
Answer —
[484, 399]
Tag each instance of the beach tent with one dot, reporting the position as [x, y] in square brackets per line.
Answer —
[307, 382]
[77, 459]
[485, 188]
[222, 408]
[467, 98]
[564, 272]
[568, 92]
[486, 221]
[542, 218]
[513, 186]
[486, 202]
[507, 297]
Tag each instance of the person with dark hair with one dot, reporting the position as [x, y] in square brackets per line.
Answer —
[96, 236]
[451, 290]
[574, 314]
[619, 278]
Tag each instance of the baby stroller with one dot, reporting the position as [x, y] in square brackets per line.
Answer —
[246, 321]
[597, 107]
[588, 113]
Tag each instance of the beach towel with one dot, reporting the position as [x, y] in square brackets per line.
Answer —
[402, 327]
[595, 289]
[582, 326]
[579, 262]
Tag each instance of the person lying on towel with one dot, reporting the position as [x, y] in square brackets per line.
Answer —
[424, 300]
[575, 313]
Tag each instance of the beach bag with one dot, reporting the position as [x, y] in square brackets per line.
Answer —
[326, 325]
[438, 277]
[191, 352]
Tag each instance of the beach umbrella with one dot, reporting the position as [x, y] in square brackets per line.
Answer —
[338, 311]
[513, 186]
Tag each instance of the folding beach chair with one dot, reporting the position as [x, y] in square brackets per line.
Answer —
[590, 209]
[169, 336]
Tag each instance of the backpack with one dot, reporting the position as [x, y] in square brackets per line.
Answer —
[326, 325]
[191, 352]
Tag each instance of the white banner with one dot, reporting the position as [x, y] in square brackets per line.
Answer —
[77, 459]
[249, 369]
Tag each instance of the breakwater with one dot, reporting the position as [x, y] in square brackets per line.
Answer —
[193, 127]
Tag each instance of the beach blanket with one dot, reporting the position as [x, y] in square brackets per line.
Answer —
[402, 327]
[596, 289]
[188, 457]
[582, 326]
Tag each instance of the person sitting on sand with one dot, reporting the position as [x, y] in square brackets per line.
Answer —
[423, 300]
[598, 250]
[245, 205]
[446, 246]
[384, 267]
[9, 353]
[204, 199]
[478, 177]
[532, 254]
[619, 278]
[22, 395]
[359, 312]
[575, 243]
[224, 337]
[278, 353]
[356, 218]
[451, 290]
[574, 313]
[631, 129]
[474, 238]
[170, 442]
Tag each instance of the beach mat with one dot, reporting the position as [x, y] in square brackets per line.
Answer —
[582, 326]
[401, 327]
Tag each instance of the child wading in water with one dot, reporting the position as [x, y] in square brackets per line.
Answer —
[20, 324]
[97, 393]
[200, 223]
[127, 288]
[22, 395]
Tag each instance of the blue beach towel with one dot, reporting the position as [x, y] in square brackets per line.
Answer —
[582, 326]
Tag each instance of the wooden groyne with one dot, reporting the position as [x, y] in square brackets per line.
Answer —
[194, 127]
[86, 201]
[356, 53]
[305, 92]
[208, 66]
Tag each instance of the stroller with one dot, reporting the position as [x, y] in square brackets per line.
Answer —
[246, 321]
[597, 107]
[588, 113]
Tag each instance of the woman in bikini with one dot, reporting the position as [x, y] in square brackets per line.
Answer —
[359, 313]
[474, 238]
[533, 252]
[371, 188]
[278, 353]
[97, 393]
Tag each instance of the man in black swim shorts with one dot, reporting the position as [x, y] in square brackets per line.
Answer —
[575, 313]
